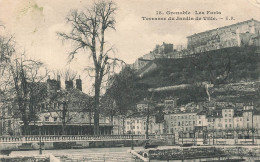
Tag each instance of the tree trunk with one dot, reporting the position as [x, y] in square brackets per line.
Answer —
[25, 127]
[63, 118]
[25, 123]
[124, 125]
[96, 110]
[63, 128]
[147, 123]
[90, 118]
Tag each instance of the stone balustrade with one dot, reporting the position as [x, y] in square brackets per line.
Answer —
[17, 139]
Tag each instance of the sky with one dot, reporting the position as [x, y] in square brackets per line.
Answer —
[35, 24]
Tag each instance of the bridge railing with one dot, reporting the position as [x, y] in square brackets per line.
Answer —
[68, 138]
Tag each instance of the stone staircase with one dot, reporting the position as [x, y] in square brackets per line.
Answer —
[99, 157]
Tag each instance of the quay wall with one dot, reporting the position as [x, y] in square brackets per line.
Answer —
[49, 145]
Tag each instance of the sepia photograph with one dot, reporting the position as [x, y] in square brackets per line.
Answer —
[129, 80]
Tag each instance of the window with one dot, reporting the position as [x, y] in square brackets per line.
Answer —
[133, 127]
[230, 125]
[55, 119]
[46, 118]
[225, 120]
[229, 115]
[137, 121]
[225, 115]
[137, 127]
[199, 122]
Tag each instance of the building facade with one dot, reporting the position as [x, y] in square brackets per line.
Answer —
[236, 35]
[138, 125]
[183, 122]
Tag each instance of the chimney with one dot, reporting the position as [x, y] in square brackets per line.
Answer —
[58, 82]
[68, 84]
[79, 84]
[51, 86]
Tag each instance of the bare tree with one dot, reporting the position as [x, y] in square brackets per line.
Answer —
[66, 105]
[88, 33]
[57, 106]
[21, 84]
[7, 49]
[68, 74]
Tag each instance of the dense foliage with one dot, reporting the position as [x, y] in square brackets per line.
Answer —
[222, 66]
[124, 92]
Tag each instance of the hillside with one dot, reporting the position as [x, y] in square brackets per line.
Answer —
[223, 68]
